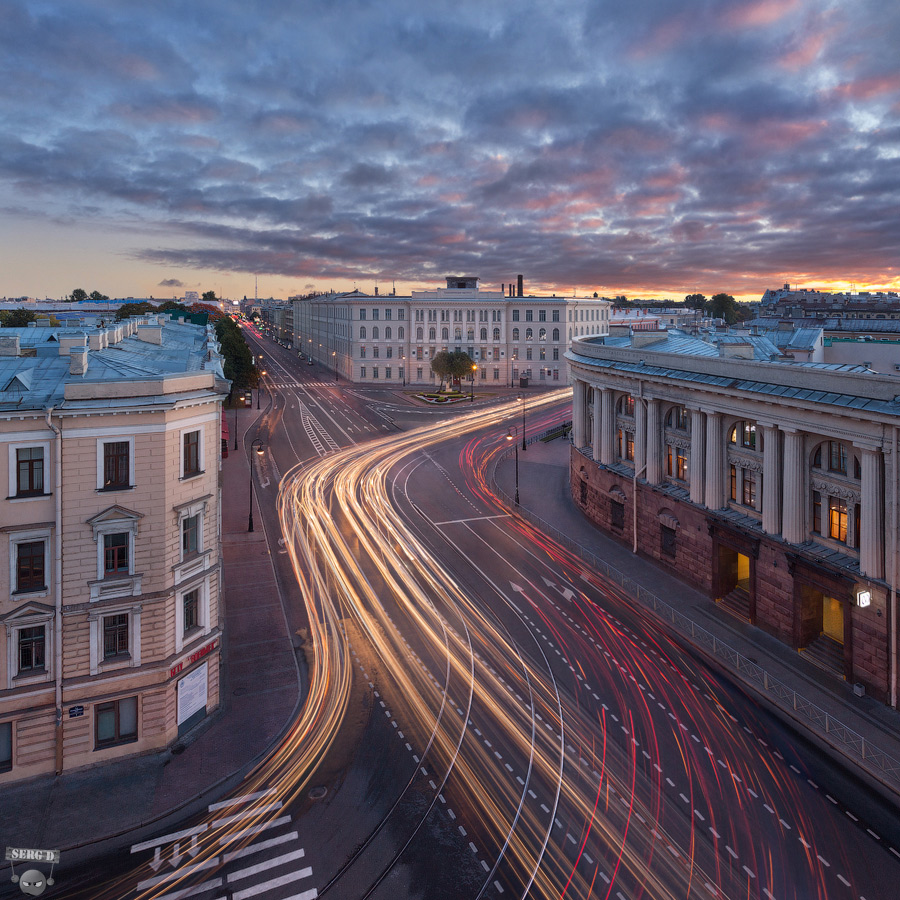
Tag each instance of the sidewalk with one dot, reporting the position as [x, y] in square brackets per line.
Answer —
[259, 692]
[865, 732]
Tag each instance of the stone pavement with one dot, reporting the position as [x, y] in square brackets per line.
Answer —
[863, 730]
[87, 811]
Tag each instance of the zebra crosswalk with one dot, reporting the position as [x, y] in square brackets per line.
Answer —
[266, 862]
[292, 385]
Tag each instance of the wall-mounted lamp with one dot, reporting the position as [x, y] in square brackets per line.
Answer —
[863, 599]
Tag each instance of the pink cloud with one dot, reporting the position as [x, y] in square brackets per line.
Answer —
[758, 13]
[867, 88]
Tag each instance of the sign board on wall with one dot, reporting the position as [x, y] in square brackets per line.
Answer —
[192, 692]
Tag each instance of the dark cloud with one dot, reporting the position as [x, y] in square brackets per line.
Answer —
[171, 282]
[669, 146]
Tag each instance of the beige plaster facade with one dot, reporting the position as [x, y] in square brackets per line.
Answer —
[109, 546]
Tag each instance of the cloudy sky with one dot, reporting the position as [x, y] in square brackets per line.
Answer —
[654, 147]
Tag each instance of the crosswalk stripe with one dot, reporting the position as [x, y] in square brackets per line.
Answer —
[262, 845]
[273, 883]
[245, 798]
[268, 864]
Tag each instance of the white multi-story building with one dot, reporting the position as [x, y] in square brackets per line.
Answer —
[109, 564]
[391, 340]
[769, 482]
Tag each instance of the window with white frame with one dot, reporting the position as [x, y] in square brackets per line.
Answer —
[191, 453]
[29, 562]
[28, 469]
[115, 637]
[115, 531]
[29, 643]
[115, 463]
[191, 613]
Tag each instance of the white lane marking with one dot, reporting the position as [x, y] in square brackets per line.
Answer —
[244, 798]
[256, 848]
[263, 866]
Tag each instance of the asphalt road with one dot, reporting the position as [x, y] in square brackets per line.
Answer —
[487, 718]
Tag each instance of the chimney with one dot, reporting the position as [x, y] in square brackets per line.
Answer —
[78, 360]
[9, 345]
[376, 290]
[70, 339]
[520, 291]
[150, 333]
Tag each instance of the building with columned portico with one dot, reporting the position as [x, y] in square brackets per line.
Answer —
[772, 485]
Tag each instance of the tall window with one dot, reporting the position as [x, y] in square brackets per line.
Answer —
[115, 635]
[677, 418]
[528, 315]
[555, 316]
[115, 554]
[30, 574]
[190, 535]
[192, 453]
[676, 462]
[748, 488]
[837, 519]
[542, 315]
[816, 512]
[529, 334]
[515, 315]
[496, 334]
[515, 334]
[116, 722]
[744, 435]
[32, 647]
[542, 334]
[626, 406]
[5, 746]
[29, 471]
[362, 332]
[115, 465]
[555, 334]
[191, 603]
[837, 457]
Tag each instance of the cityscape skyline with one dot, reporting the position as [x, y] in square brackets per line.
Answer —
[732, 146]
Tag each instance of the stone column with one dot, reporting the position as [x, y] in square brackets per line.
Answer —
[654, 442]
[714, 492]
[578, 394]
[771, 486]
[795, 490]
[871, 526]
[597, 431]
[640, 437]
[698, 451]
[608, 427]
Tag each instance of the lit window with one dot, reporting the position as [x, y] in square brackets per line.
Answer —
[837, 519]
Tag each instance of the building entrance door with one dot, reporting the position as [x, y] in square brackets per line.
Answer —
[833, 619]
[734, 581]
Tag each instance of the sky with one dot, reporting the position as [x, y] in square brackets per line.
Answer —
[650, 148]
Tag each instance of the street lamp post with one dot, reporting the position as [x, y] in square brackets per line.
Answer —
[309, 355]
[474, 368]
[509, 436]
[403, 369]
[334, 363]
[256, 445]
[522, 400]
[235, 420]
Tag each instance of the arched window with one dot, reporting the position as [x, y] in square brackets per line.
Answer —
[420, 333]
[362, 332]
[515, 336]
[401, 333]
[496, 335]
[432, 334]
[470, 334]
[570, 332]
[374, 332]
[542, 334]
[833, 456]
[677, 418]
[387, 333]
[483, 334]
[625, 406]
[529, 334]
[457, 334]
[445, 334]
[555, 334]
[744, 435]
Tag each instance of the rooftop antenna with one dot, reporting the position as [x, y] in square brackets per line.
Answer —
[255, 287]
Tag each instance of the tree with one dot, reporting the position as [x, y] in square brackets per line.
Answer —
[695, 301]
[441, 366]
[461, 364]
[210, 297]
[97, 297]
[723, 306]
[127, 310]
[16, 318]
[239, 368]
[79, 295]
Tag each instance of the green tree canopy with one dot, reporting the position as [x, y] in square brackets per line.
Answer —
[723, 306]
[239, 368]
[97, 297]
[16, 318]
[127, 310]
[461, 364]
[209, 297]
[441, 365]
[695, 301]
[77, 296]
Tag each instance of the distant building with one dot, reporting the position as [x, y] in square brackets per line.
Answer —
[109, 570]
[786, 303]
[766, 477]
[391, 340]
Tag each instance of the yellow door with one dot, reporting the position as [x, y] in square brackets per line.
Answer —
[743, 572]
[833, 618]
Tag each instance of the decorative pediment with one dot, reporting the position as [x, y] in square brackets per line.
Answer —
[28, 610]
[113, 518]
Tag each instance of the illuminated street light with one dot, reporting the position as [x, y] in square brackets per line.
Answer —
[259, 452]
[522, 400]
[474, 368]
[509, 436]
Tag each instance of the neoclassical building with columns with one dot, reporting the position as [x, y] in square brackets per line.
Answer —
[772, 485]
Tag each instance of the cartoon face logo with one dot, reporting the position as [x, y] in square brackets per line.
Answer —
[33, 883]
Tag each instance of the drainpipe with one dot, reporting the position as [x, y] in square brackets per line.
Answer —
[893, 610]
[57, 579]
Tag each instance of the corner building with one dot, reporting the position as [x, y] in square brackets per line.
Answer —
[109, 567]
[771, 485]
